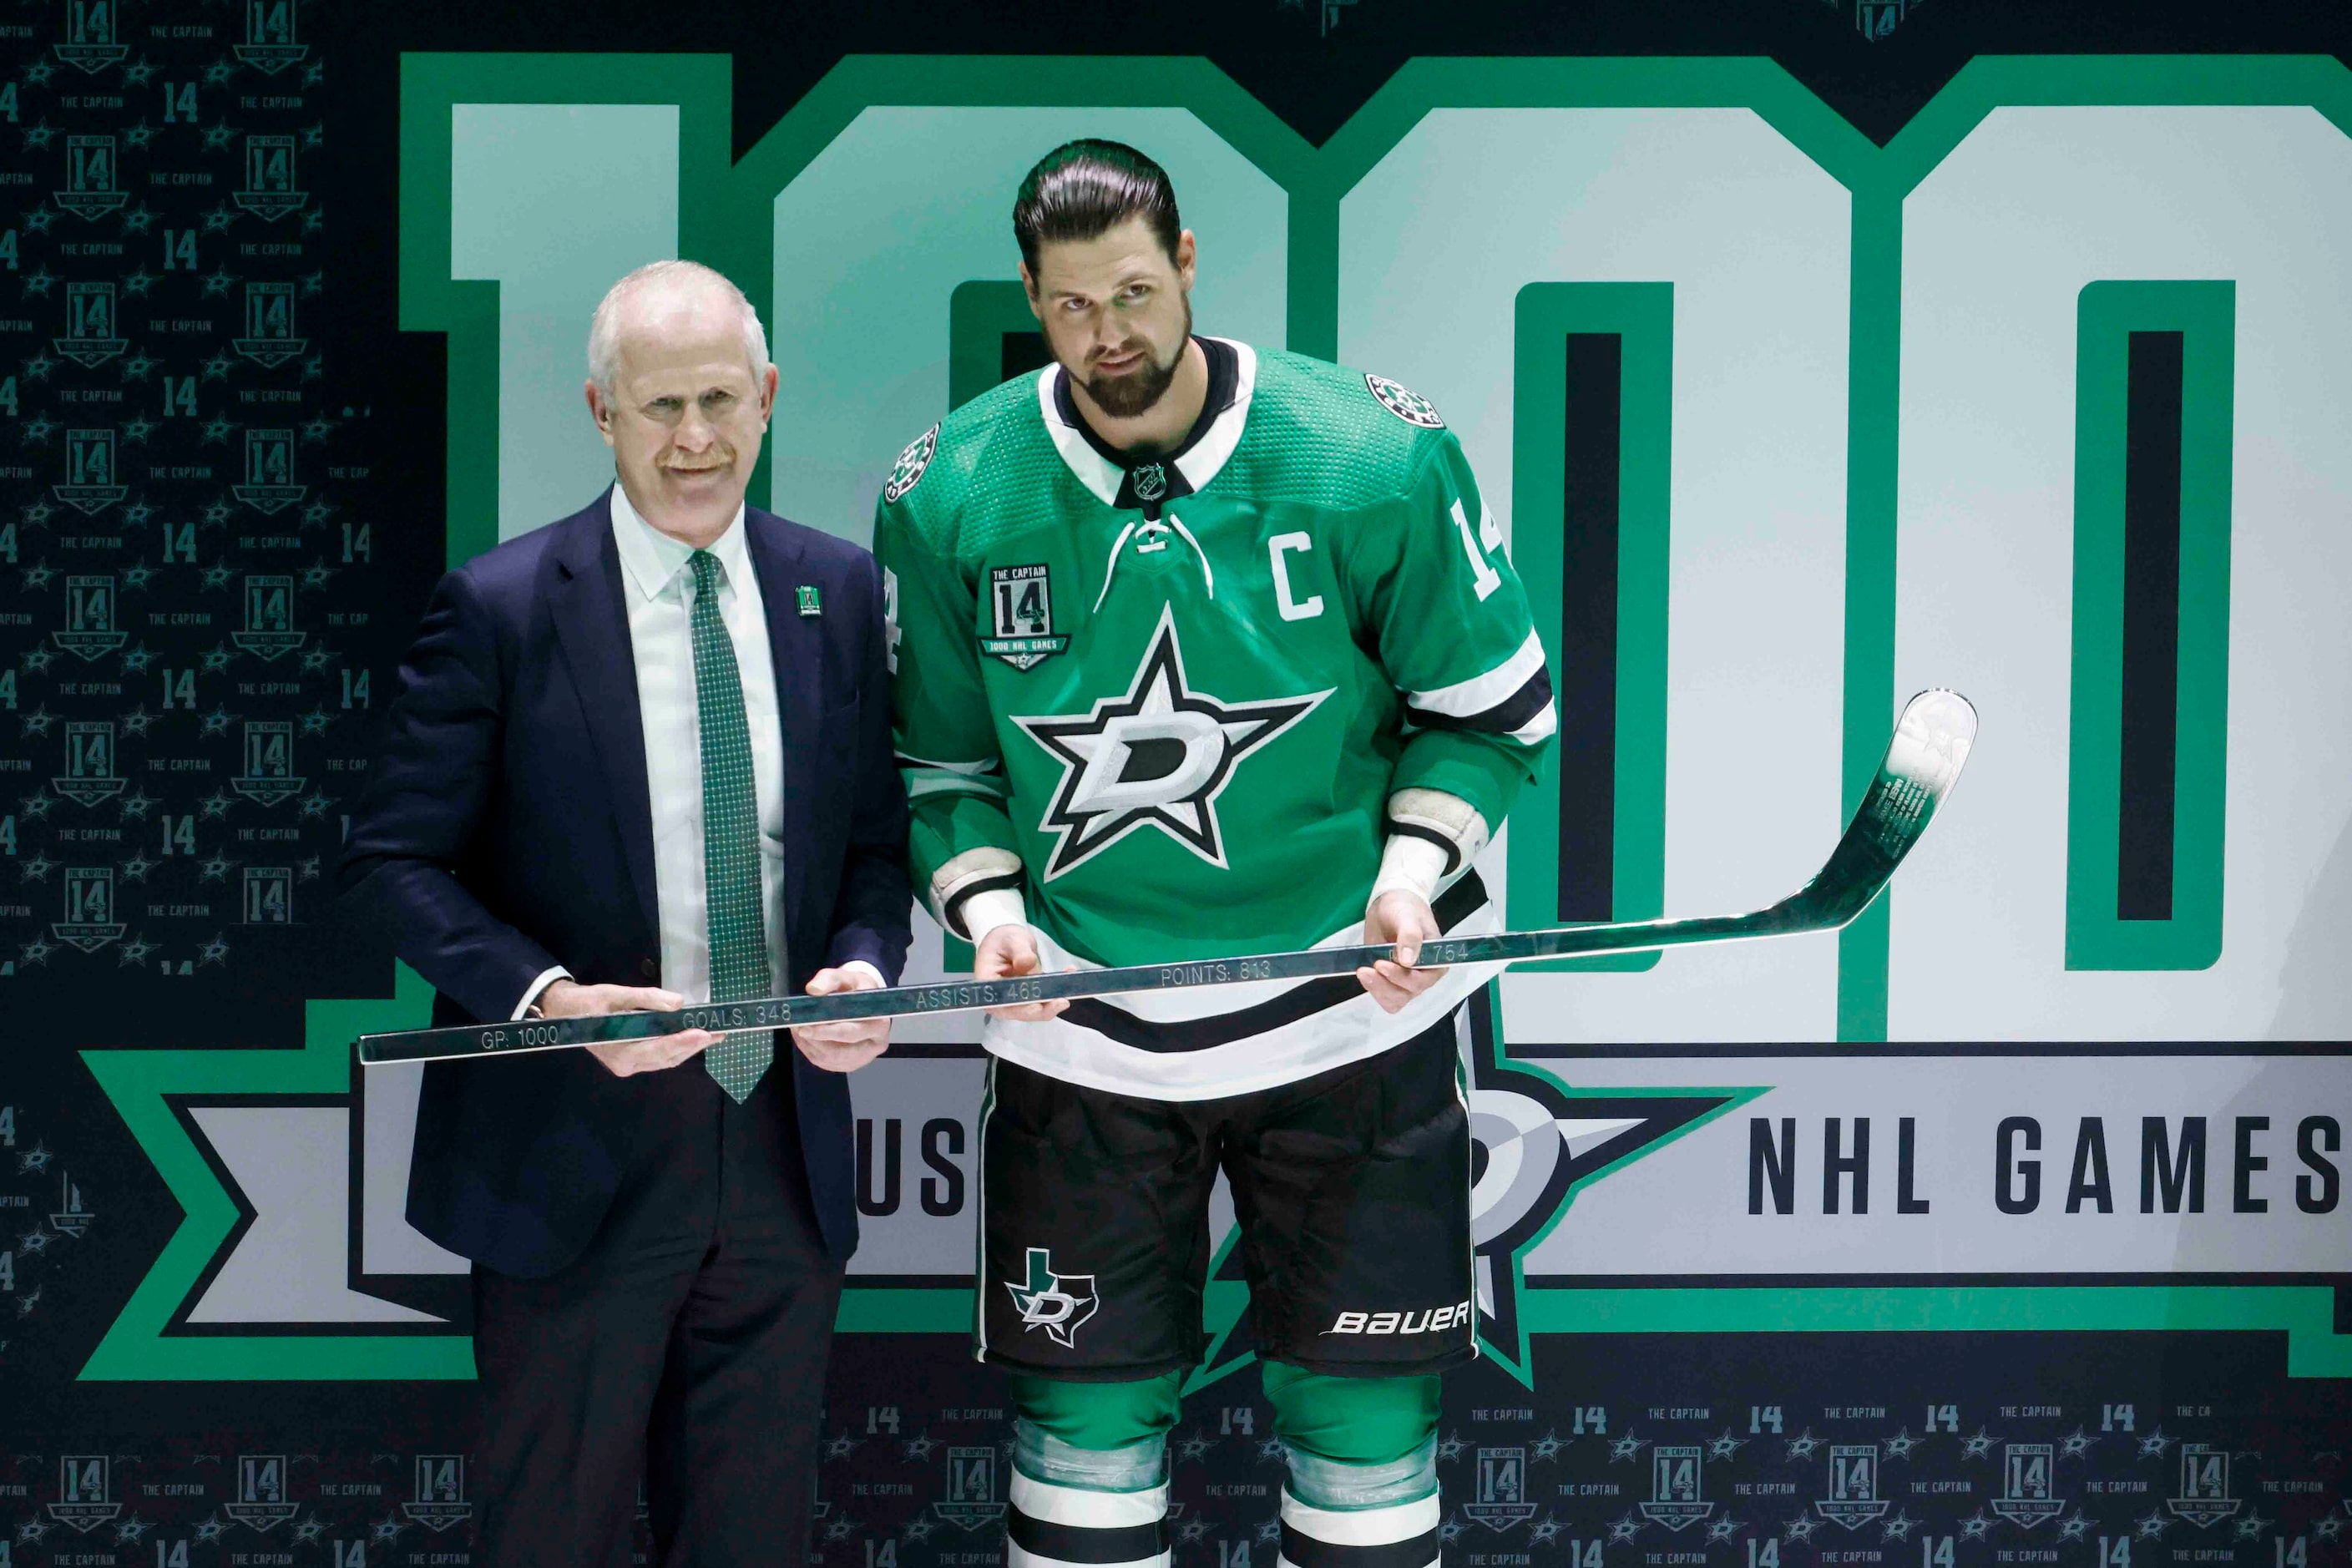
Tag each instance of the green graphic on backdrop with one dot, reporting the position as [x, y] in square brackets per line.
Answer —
[531, 199]
[1641, 316]
[145, 1087]
[2204, 314]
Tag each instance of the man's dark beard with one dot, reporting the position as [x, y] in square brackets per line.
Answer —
[1124, 396]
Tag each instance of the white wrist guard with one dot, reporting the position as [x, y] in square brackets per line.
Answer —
[1433, 837]
[983, 912]
[977, 892]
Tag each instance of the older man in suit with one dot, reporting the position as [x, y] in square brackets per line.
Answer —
[641, 759]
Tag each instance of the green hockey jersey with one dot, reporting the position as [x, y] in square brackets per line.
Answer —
[1168, 699]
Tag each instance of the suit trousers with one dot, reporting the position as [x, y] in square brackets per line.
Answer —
[686, 1345]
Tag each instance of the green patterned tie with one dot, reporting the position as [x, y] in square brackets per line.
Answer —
[731, 838]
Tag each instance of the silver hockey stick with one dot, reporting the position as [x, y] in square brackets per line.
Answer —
[1922, 763]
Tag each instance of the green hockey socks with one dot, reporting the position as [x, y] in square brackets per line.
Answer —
[1090, 1470]
[1362, 1489]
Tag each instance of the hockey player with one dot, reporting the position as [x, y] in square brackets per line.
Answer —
[1204, 649]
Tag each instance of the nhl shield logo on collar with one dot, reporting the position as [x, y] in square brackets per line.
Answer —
[810, 604]
[1150, 483]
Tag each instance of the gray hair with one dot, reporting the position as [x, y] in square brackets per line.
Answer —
[605, 329]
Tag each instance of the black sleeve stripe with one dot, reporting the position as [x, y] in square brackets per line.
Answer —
[1504, 717]
[1418, 830]
[953, 910]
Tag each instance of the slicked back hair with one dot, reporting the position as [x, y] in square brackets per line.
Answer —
[1086, 188]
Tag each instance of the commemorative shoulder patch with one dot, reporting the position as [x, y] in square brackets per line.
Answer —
[1021, 606]
[910, 465]
[1405, 404]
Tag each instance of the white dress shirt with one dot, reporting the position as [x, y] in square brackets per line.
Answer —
[657, 585]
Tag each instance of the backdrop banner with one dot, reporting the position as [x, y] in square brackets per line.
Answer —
[1807, 356]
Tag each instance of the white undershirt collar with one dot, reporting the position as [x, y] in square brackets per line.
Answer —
[1199, 466]
[651, 559]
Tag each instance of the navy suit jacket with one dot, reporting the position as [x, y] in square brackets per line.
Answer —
[506, 828]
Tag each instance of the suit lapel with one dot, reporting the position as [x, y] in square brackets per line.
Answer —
[796, 650]
[592, 623]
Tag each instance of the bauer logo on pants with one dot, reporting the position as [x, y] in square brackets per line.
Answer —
[1059, 1303]
[1427, 1319]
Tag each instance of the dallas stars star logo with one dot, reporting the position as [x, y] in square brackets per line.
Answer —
[1158, 756]
[1059, 1303]
[1540, 1141]
[1537, 1142]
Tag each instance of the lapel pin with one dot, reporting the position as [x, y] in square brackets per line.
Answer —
[810, 604]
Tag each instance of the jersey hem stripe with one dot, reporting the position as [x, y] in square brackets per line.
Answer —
[1302, 1000]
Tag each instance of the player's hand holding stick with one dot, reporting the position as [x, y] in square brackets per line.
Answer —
[1007, 953]
[1405, 918]
[1400, 918]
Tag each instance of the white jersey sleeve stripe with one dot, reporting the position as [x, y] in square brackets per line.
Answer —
[1480, 692]
[1538, 728]
[985, 765]
[919, 786]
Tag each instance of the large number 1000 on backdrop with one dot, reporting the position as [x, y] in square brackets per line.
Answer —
[1781, 424]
